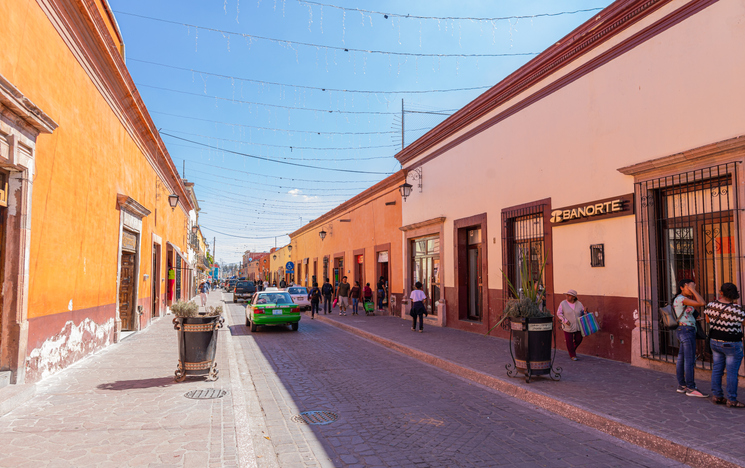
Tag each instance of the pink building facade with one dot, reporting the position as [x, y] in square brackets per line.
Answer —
[615, 156]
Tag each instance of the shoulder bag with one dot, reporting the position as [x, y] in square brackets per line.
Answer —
[668, 319]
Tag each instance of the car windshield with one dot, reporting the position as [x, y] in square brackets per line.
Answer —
[244, 284]
[297, 291]
[274, 298]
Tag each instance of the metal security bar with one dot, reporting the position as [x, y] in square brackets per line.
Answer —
[687, 227]
[523, 239]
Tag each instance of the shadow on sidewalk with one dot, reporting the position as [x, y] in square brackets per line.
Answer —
[139, 383]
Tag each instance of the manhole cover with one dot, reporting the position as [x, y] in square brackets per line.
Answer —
[206, 394]
[315, 417]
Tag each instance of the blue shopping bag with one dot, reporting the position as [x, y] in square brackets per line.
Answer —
[588, 324]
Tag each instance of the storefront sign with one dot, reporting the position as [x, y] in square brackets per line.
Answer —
[383, 257]
[601, 209]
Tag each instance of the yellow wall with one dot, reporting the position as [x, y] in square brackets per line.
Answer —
[80, 169]
[371, 223]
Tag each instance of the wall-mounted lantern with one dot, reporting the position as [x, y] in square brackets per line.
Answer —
[289, 247]
[194, 229]
[173, 200]
[322, 234]
[405, 188]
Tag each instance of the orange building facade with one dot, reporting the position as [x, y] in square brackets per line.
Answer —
[88, 234]
[359, 239]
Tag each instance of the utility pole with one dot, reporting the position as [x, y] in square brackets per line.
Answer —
[402, 124]
[214, 249]
[183, 171]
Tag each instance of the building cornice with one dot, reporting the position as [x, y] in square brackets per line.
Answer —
[83, 29]
[24, 109]
[131, 205]
[610, 22]
[733, 146]
[421, 224]
[383, 185]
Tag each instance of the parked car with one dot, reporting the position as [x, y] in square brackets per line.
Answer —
[272, 307]
[299, 296]
[231, 285]
[244, 291]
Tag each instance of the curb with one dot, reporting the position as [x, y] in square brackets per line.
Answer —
[617, 429]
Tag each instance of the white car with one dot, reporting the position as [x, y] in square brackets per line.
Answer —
[299, 296]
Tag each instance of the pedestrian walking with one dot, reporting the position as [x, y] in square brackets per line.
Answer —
[315, 298]
[171, 281]
[686, 298]
[381, 293]
[725, 330]
[203, 289]
[569, 312]
[342, 295]
[355, 294]
[418, 309]
[327, 291]
[283, 284]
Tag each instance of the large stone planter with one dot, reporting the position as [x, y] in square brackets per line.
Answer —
[197, 345]
[530, 348]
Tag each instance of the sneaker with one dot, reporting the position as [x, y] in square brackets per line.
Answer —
[717, 400]
[681, 389]
[575, 359]
[735, 404]
[421, 331]
[413, 329]
[695, 393]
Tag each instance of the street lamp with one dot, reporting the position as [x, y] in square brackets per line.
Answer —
[405, 190]
[274, 257]
[289, 247]
[322, 234]
[173, 200]
[194, 229]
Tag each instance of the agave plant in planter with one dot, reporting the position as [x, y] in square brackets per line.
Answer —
[197, 340]
[531, 327]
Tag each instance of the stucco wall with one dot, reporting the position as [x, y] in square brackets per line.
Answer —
[80, 169]
[680, 90]
[372, 223]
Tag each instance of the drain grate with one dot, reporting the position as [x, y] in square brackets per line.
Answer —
[315, 417]
[206, 394]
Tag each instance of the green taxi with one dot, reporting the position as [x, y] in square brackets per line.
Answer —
[272, 307]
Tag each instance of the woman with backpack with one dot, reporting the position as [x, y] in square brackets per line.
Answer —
[315, 300]
[684, 302]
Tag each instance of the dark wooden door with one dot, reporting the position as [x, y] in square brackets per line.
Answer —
[127, 291]
[155, 295]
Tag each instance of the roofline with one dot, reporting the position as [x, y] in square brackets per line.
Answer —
[384, 184]
[613, 20]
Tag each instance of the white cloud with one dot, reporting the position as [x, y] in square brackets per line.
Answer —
[294, 192]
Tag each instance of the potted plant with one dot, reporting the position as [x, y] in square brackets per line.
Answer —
[531, 327]
[197, 339]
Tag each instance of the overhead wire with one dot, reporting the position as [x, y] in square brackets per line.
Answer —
[394, 132]
[351, 171]
[311, 148]
[450, 18]
[321, 46]
[317, 88]
[279, 177]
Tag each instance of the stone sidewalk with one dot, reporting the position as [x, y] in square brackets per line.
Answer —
[636, 405]
[121, 407]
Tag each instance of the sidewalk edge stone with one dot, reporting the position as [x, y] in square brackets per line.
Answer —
[617, 429]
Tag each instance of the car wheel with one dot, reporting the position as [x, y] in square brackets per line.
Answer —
[253, 327]
[294, 326]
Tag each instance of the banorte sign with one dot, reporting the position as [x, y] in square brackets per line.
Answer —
[592, 211]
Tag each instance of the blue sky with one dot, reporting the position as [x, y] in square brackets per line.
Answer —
[231, 103]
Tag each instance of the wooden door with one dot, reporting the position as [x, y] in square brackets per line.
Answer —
[155, 277]
[127, 291]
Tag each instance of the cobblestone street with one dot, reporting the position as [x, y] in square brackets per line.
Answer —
[398, 412]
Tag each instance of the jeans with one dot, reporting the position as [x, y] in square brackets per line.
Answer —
[203, 297]
[326, 304]
[313, 308]
[381, 296]
[686, 356]
[725, 354]
[355, 305]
